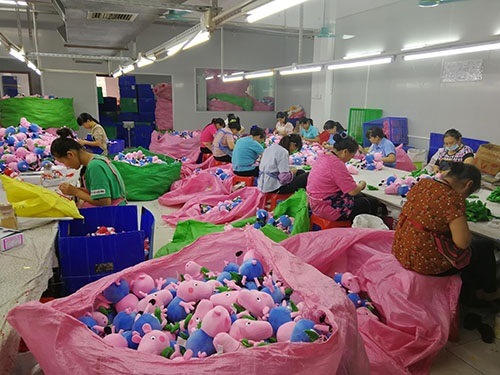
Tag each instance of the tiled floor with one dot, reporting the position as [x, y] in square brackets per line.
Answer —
[469, 356]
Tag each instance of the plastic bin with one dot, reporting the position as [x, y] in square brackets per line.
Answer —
[142, 134]
[84, 259]
[126, 80]
[357, 117]
[128, 105]
[395, 129]
[128, 92]
[109, 104]
[146, 104]
[128, 116]
[145, 91]
[146, 116]
[115, 146]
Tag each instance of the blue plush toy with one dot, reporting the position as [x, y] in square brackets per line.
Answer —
[146, 319]
[22, 166]
[124, 321]
[299, 331]
[279, 316]
[251, 269]
[116, 291]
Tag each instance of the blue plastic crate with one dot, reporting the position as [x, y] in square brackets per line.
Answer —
[145, 91]
[107, 121]
[85, 258]
[395, 129]
[109, 104]
[142, 135]
[9, 80]
[115, 146]
[436, 142]
[128, 116]
[146, 116]
[128, 92]
[146, 104]
[126, 80]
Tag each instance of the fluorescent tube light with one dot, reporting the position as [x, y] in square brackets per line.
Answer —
[31, 65]
[298, 70]
[355, 64]
[201, 37]
[173, 50]
[128, 68]
[145, 61]
[271, 8]
[17, 54]
[207, 78]
[117, 73]
[453, 51]
[413, 46]
[232, 78]
[13, 2]
[358, 55]
[268, 73]
[37, 71]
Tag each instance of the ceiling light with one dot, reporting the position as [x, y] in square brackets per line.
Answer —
[232, 79]
[300, 70]
[117, 73]
[128, 68]
[145, 61]
[348, 36]
[271, 8]
[17, 54]
[13, 2]
[428, 3]
[31, 65]
[201, 37]
[173, 50]
[207, 78]
[262, 74]
[453, 51]
[355, 64]
[413, 46]
[358, 55]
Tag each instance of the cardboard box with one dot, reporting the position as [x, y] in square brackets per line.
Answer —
[488, 158]
[10, 238]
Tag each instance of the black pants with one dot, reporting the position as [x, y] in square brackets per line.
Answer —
[203, 150]
[299, 182]
[224, 159]
[253, 172]
[480, 273]
[364, 205]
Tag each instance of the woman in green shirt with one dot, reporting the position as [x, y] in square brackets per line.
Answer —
[103, 185]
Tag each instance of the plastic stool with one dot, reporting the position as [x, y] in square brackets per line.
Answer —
[275, 198]
[318, 223]
[248, 180]
[218, 162]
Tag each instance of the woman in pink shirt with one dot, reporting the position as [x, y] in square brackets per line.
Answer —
[207, 137]
[332, 192]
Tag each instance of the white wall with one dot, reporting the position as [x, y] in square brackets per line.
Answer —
[414, 89]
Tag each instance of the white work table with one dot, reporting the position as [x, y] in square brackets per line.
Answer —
[490, 229]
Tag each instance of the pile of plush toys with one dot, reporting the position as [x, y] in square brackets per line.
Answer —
[20, 95]
[138, 158]
[202, 313]
[284, 222]
[224, 206]
[399, 186]
[185, 134]
[102, 231]
[307, 154]
[221, 173]
[360, 299]
[23, 148]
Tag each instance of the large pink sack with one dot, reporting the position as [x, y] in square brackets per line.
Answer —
[252, 198]
[175, 146]
[403, 161]
[63, 345]
[419, 309]
[200, 184]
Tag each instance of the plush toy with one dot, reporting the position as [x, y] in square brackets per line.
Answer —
[164, 107]
[348, 281]
[224, 343]
[154, 341]
[143, 283]
[279, 316]
[189, 292]
[204, 306]
[200, 343]
[116, 291]
[251, 269]
[256, 303]
[226, 299]
[255, 330]
[116, 339]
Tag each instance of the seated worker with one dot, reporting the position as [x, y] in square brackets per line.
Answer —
[223, 144]
[97, 133]
[421, 218]
[275, 173]
[232, 118]
[332, 192]
[283, 126]
[207, 137]
[246, 152]
[381, 144]
[331, 128]
[102, 183]
[308, 131]
[453, 150]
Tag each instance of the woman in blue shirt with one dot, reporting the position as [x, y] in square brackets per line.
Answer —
[246, 152]
[308, 132]
[332, 128]
[381, 144]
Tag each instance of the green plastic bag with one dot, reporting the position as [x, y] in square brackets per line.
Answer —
[151, 180]
[186, 232]
[47, 113]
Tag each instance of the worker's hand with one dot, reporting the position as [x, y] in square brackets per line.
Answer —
[362, 184]
[293, 170]
[67, 189]
[83, 142]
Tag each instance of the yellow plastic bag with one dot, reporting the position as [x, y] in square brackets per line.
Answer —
[31, 200]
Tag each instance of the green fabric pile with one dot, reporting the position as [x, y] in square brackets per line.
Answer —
[476, 210]
[494, 196]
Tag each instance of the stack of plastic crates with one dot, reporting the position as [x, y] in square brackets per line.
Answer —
[395, 129]
[358, 116]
